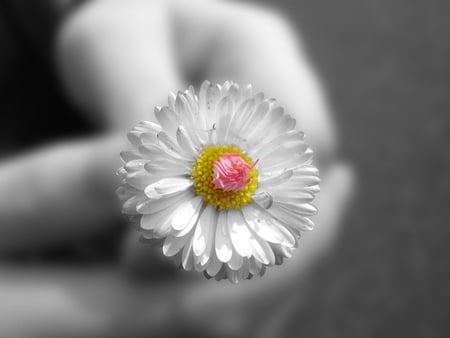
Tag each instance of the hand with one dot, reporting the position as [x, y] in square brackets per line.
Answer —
[118, 59]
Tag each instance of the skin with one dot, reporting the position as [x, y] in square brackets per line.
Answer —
[118, 59]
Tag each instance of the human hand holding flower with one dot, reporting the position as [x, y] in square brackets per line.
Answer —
[118, 61]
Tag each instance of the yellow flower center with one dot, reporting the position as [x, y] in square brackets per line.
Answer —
[202, 174]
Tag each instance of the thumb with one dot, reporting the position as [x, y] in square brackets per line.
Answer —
[58, 193]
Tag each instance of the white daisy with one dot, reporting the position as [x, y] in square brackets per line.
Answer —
[224, 182]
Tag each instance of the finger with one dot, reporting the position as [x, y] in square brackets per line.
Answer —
[116, 60]
[233, 41]
[46, 303]
[74, 302]
[58, 193]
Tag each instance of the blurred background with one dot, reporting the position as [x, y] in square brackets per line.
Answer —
[385, 66]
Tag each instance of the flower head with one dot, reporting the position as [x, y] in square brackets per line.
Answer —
[230, 172]
[224, 181]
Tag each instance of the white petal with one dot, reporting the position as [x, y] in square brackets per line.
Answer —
[233, 93]
[162, 161]
[237, 120]
[191, 223]
[244, 112]
[172, 245]
[305, 209]
[135, 165]
[271, 119]
[225, 88]
[134, 137]
[308, 181]
[280, 252]
[209, 96]
[246, 90]
[191, 98]
[194, 128]
[166, 160]
[124, 192]
[244, 115]
[301, 188]
[294, 185]
[214, 266]
[150, 206]
[148, 138]
[244, 271]
[187, 260]
[224, 249]
[238, 275]
[224, 113]
[232, 276]
[255, 267]
[202, 230]
[140, 180]
[152, 151]
[263, 198]
[171, 100]
[291, 196]
[307, 170]
[222, 274]
[167, 186]
[122, 173]
[129, 155]
[292, 219]
[294, 146]
[147, 127]
[191, 119]
[259, 97]
[236, 261]
[185, 142]
[209, 250]
[283, 159]
[182, 106]
[165, 168]
[264, 225]
[314, 189]
[284, 153]
[278, 141]
[157, 220]
[168, 119]
[187, 214]
[177, 259]
[129, 207]
[258, 115]
[239, 233]
[168, 145]
[198, 265]
[275, 179]
[279, 133]
[262, 251]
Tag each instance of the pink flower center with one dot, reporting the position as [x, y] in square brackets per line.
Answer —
[230, 172]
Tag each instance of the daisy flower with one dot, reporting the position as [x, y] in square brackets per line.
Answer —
[223, 182]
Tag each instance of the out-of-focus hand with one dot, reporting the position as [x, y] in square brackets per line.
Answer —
[118, 59]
